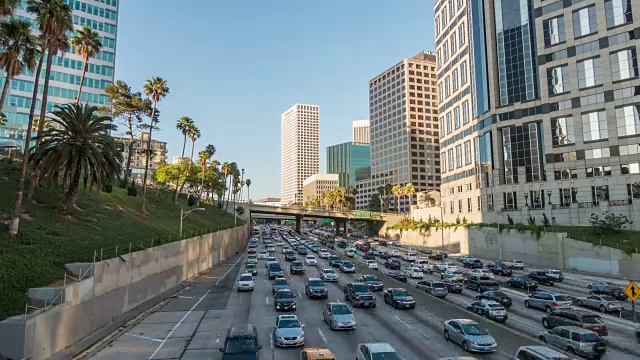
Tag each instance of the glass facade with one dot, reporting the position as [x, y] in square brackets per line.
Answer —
[351, 161]
[522, 146]
[102, 17]
[479, 77]
[516, 51]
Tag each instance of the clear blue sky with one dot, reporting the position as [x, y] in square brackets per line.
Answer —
[235, 65]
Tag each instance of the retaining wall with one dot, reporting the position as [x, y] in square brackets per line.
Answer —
[118, 285]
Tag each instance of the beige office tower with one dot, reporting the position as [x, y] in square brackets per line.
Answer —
[460, 196]
[299, 150]
[361, 131]
[403, 111]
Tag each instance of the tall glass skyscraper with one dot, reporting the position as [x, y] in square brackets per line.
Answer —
[351, 161]
[102, 17]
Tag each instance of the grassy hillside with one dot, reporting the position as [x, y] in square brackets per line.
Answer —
[47, 241]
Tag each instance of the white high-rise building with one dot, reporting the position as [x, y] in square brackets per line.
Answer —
[299, 150]
[361, 131]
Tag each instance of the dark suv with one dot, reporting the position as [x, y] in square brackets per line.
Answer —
[541, 277]
[359, 295]
[241, 344]
[393, 264]
[482, 284]
[573, 317]
[497, 296]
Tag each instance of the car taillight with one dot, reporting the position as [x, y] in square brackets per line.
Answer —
[555, 303]
[584, 327]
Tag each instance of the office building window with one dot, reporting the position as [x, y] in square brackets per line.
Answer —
[465, 112]
[479, 200]
[554, 31]
[558, 80]
[456, 117]
[599, 193]
[537, 199]
[443, 158]
[452, 40]
[454, 76]
[490, 202]
[440, 94]
[562, 131]
[448, 123]
[467, 152]
[597, 153]
[510, 200]
[441, 126]
[598, 171]
[633, 168]
[624, 64]
[618, 12]
[633, 190]
[589, 73]
[521, 146]
[458, 156]
[461, 36]
[628, 121]
[629, 149]
[445, 51]
[568, 196]
[450, 158]
[566, 174]
[594, 126]
[469, 205]
[437, 25]
[460, 206]
[463, 73]
[584, 21]
[447, 87]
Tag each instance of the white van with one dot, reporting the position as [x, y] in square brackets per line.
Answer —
[410, 256]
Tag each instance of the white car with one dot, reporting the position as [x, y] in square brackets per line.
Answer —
[351, 253]
[424, 265]
[311, 260]
[394, 253]
[329, 275]
[410, 256]
[446, 266]
[262, 255]
[372, 264]
[414, 272]
[481, 272]
[324, 254]
[245, 282]
[376, 351]
[515, 264]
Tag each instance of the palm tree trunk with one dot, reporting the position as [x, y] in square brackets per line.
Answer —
[65, 179]
[228, 193]
[17, 207]
[398, 209]
[71, 194]
[85, 59]
[184, 145]
[248, 195]
[143, 205]
[193, 144]
[201, 187]
[130, 154]
[35, 173]
[5, 89]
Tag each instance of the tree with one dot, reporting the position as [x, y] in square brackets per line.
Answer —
[87, 43]
[410, 190]
[54, 21]
[203, 158]
[398, 192]
[248, 183]
[233, 169]
[7, 7]
[226, 171]
[388, 191]
[183, 125]
[194, 134]
[19, 51]
[241, 182]
[374, 203]
[156, 88]
[609, 223]
[80, 140]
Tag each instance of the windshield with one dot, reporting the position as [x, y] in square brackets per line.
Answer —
[563, 298]
[400, 292]
[240, 345]
[347, 264]
[314, 283]
[438, 285]
[280, 282]
[608, 298]
[471, 329]
[385, 356]
[499, 294]
[251, 266]
[296, 263]
[328, 271]
[275, 267]
[590, 337]
[341, 310]
[284, 295]
[370, 278]
[246, 278]
[288, 324]
[592, 320]
[360, 288]
[495, 306]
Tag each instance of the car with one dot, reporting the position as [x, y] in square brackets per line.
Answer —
[579, 341]
[453, 285]
[251, 268]
[522, 282]
[399, 298]
[446, 266]
[414, 272]
[269, 260]
[339, 316]
[424, 265]
[500, 269]
[554, 274]
[245, 282]
[288, 332]
[335, 261]
[515, 264]
[489, 309]
[290, 256]
[603, 303]
[575, 317]
[369, 255]
[251, 250]
[310, 260]
[605, 288]
[350, 253]
[410, 256]
[324, 254]
[359, 294]
[252, 259]
[284, 300]
[279, 283]
[241, 343]
[271, 249]
[541, 277]
[274, 271]
[302, 250]
[473, 263]
[317, 354]
[368, 351]
[398, 276]
[547, 301]
[452, 275]
[372, 282]
[329, 275]
[347, 267]
[371, 264]
[393, 264]
[316, 288]
[539, 352]
[498, 296]
[435, 288]
[296, 268]
[481, 272]
[469, 336]
[262, 255]
[481, 284]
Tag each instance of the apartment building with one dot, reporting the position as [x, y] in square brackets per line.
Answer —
[138, 155]
[361, 131]
[315, 185]
[459, 195]
[299, 150]
[556, 93]
[403, 111]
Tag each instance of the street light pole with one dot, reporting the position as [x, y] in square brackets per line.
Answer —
[184, 214]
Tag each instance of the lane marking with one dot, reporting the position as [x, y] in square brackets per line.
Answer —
[185, 297]
[266, 298]
[210, 277]
[271, 340]
[397, 318]
[143, 337]
[299, 295]
[324, 339]
[191, 310]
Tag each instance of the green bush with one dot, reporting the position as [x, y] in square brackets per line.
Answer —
[132, 190]
[191, 200]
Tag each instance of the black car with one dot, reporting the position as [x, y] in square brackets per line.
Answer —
[316, 288]
[241, 344]
[437, 256]
[296, 268]
[497, 296]
[302, 251]
[541, 277]
[369, 255]
[398, 276]
[481, 284]
[473, 264]
[335, 261]
[284, 300]
[522, 282]
[372, 282]
[359, 295]
[393, 264]
[290, 256]
[500, 269]
[454, 286]
[251, 250]
[399, 298]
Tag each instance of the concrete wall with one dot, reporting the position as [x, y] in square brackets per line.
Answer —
[447, 239]
[118, 285]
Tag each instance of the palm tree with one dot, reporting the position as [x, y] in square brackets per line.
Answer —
[156, 88]
[232, 175]
[203, 158]
[388, 191]
[54, 21]
[410, 190]
[241, 182]
[398, 192]
[80, 139]
[184, 125]
[19, 51]
[226, 171]
[7, 7]
[248, 183]
[194, 134]
[87, 43]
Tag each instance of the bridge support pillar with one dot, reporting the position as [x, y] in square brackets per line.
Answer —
[299, 224]
[345, 227]
[337, 222]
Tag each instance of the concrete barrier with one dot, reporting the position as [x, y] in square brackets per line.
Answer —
[117, 286]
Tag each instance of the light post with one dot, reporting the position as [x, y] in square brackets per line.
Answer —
[526, 199]
[184, 214]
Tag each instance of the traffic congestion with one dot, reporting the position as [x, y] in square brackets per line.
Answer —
[333, 298]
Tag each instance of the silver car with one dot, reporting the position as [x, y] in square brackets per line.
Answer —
[604, 303]
[329, 275]
[580, 341]
[435, 288]
[547, 301]
[288, 331]
[469, 336]
[339, 316]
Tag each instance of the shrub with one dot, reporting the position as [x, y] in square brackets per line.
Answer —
[132, 190]
[545, 220]
[608, 223]
[108, 188]
[191, 200]
[510, 220]
[532, 220]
